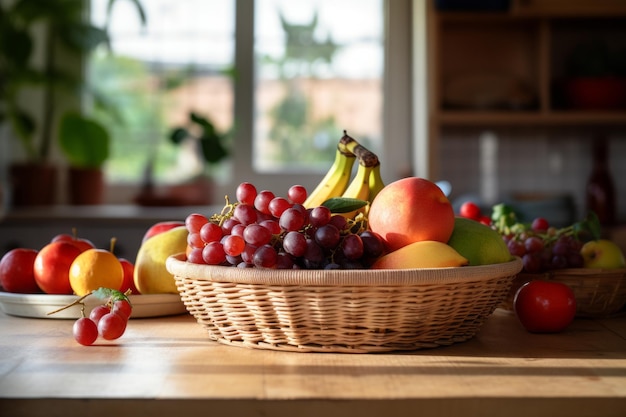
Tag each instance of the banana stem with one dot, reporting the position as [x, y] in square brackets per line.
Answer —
[349, 145]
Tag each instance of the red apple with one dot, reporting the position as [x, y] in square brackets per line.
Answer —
[129, 281]
[16, 271]
[52, 267]
[81, 243]
[160, 228]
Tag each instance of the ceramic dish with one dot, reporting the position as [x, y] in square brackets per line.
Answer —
[39, 305]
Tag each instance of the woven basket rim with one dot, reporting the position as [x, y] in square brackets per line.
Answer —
[178, 266]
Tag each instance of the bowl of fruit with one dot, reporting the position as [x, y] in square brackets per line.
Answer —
[576, 255]
[354, 266]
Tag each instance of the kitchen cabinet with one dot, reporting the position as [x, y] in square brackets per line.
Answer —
[512, 68]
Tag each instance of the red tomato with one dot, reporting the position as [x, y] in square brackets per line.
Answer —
[545, 306]
[470, 210]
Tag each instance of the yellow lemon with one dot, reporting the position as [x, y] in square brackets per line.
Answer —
[479, 243]
[93, 269]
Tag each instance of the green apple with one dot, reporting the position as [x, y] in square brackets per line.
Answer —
[602, 253]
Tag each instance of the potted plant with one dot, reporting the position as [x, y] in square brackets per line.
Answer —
[211, 145]
[85, 144]
[66, 38]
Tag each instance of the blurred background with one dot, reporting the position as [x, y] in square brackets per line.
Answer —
[170, 104]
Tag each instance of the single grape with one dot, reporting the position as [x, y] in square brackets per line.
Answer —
[292, 219]
[262, 201]
[237, 230]
[233, 245]
[265, 257]
[246, 193]
[194, 222]
[245, 214]
[257, 235]
[297, 194]
[272, 226]
[559, 262]
[373, 244]
[327, 236]
[338, 221]
[211, 232]
[112, 326]
[540, 224]
[278, 205]
[284, 261]
[195, 256]
[85, 331]
[533, 244]
[213, 253]
[195, 240]
[228, 225]
[516, 248]
[352, 247]
[294, 243]
[247, 255]
[122, 307]
[313, 256]
[97, 312]
[531, 263]
[319, 216]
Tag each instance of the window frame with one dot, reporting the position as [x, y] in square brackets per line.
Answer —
[399, 157]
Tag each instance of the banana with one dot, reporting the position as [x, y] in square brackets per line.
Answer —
[376, 183]
[335, 182]
[360, 186]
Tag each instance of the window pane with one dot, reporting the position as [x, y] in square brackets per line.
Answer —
[319, 71]
[156, 76]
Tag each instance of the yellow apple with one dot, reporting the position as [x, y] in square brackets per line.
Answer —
[151, 276]
[602, 253]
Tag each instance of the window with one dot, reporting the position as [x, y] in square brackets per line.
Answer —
[289, 77]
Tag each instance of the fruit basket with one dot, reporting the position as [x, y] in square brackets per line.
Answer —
[351, 311]
[599, 293]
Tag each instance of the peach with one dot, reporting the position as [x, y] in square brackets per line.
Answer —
[411, 210]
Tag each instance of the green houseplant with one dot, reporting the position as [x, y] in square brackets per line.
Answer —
[59, 29]
[211, 145]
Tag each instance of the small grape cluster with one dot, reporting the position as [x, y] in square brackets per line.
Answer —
[543, 247]
[108, 320]
[268, 231]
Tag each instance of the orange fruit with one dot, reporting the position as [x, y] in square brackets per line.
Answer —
[95, 268]
[411, 210]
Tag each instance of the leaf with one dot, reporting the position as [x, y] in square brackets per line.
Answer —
[178, 135]
[110, 294]
[84, 141]
[343, 204]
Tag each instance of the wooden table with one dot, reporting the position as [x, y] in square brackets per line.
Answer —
[169, 367]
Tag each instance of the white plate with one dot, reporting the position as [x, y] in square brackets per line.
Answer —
[39, 305]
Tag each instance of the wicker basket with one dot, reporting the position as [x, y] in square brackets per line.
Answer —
[356, 311]
[599, 293]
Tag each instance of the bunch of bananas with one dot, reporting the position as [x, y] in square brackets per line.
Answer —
[366, 183]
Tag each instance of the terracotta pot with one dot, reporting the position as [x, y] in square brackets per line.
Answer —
[33, 184]
[85, 186]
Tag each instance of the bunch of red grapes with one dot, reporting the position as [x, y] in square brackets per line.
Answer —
[107, 321]
[268, 231]
[543, 248]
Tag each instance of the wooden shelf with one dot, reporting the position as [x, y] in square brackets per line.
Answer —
[480, 62]
[535, 118]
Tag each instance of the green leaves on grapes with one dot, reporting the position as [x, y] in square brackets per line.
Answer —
[110, 294]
